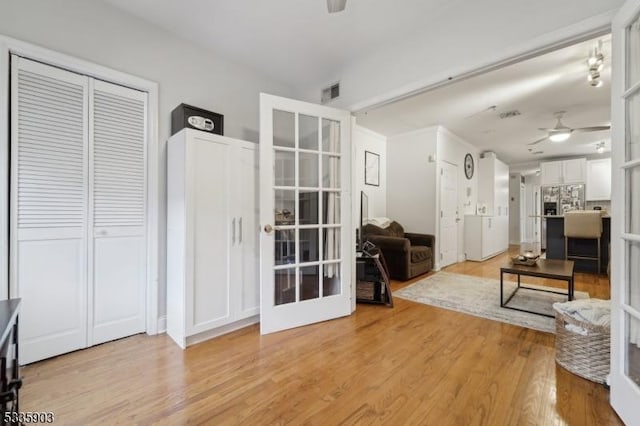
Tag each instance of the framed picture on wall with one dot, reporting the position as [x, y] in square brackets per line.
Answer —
[371, 168]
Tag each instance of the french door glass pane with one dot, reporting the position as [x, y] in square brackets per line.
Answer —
[309, 282]
[285, 286]
[284, 129]
[309, 245]
[308, 168]
[308, 132]
[331, 244]
[308, 207]
[284, 168]
[331, 208]
[331, 279]
[633, 349]
[330, 171]
[633, 127]
[285, 247]
[284, 207]
[633, 259]
[330, 136]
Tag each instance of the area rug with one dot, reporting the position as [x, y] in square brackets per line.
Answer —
[481, 297]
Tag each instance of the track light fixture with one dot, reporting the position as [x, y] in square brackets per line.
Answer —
[595, 62]
[335, 6]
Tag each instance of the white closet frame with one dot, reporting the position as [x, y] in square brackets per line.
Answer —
[12, 46]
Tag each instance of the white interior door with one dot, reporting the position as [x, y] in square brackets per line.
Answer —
[48, 207]
[117, 211]
[306, 243]
[625, 221]
[448, 214]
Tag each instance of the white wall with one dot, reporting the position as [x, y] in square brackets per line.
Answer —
[460, 37]
[367, 140]
[452, 149]
[96, 32]
[411, 180]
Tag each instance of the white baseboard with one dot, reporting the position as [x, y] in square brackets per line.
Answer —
[162, 324]
[206, 335]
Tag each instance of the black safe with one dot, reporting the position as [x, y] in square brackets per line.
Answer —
[196, 118]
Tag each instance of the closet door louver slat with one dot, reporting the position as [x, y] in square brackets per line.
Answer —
[119, 162]
[38, 153]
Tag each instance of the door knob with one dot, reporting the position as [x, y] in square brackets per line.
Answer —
[268, 229]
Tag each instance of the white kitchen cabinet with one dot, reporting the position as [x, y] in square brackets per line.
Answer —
[574, 171]
[485, 236]
[563, 172]
[551, 173]
[598, 180]
[212, 231]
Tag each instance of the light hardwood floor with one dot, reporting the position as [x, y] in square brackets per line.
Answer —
[413, 364]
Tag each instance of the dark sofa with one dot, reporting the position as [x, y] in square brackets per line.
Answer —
[407, 254]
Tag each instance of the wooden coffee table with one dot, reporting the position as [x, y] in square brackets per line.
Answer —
[561, 270]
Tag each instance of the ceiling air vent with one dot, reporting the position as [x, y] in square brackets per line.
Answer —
[330, 93]
[509, 114]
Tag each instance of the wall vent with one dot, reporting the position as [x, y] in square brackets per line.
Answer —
[330, 93]
[509, 114]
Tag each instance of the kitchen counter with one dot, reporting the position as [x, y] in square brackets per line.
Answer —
[555, 244]
[555, 216]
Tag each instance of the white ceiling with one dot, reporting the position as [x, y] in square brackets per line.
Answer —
[293, 41]
[537, 87]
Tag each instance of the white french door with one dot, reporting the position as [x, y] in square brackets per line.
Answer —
[306, 244]
[625, 223]
[448, 214]
[77, 209]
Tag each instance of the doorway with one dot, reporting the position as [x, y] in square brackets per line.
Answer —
[78, 209]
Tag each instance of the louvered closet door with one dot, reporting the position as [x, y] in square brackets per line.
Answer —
[48, 207]
[117, 216]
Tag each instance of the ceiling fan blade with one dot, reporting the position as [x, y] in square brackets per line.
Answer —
[539, 140]
[592, 129]
[545, 130]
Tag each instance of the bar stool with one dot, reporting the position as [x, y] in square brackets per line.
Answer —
[582, 224]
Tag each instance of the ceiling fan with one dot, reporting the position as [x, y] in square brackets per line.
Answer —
[561, 133]
[336, 5]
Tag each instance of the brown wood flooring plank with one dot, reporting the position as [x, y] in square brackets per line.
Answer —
[413, 364]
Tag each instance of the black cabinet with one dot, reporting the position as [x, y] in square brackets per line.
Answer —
[372, 280]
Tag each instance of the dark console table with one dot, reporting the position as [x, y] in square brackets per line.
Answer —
[372, 279]
[10, 381]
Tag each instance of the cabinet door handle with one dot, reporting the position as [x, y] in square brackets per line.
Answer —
[233, 231]
[240, 230]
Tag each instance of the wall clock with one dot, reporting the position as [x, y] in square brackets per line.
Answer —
[468, 166]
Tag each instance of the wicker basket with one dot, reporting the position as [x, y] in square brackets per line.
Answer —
[587, 356]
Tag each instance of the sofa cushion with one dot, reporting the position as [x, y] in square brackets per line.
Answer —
[420, 254]
[395, 230]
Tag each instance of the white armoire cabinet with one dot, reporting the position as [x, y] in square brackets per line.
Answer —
[487, 233]
[212, 236]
